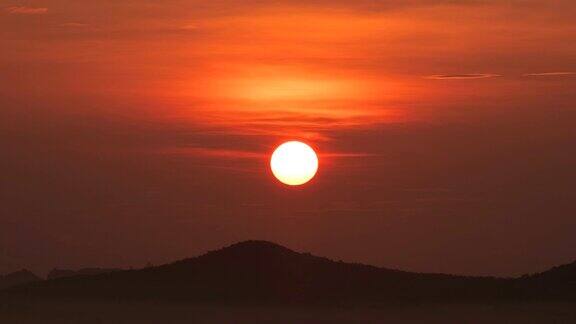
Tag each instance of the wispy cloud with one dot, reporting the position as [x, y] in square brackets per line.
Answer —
[462, 76]
[544, 74]
[346, 155]
[243, 154]
[214, 152]
[190, 26]
[74, 25]
[23, 10]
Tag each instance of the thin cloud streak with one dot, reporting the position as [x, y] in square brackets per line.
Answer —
[74, 25]
[544, 74]
[462, 76]
[214, 152]
[23, 10]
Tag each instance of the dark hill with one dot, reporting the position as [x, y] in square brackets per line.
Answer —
[556, 283]
[261, 272]
[17, 278]
[562, 274]
[65, 273]
[258, 271]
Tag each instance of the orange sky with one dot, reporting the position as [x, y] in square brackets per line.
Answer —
[440, 124]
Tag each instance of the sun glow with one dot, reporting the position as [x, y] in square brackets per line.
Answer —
[294, 163]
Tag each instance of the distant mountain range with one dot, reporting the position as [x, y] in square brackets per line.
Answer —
[17, 278]
[262, 272]
[65, 273]
[24, 276]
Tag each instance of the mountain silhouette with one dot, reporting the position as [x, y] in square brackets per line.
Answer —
[556, 283]
[562, 274]
[65, 273]
[264, 272]
[17, 278]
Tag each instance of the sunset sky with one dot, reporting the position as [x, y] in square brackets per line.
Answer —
[139, 130]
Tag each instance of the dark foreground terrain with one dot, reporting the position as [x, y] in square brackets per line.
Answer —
[262, 282]
[162, 312]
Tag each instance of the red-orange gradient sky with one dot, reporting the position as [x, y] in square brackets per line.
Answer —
[135, 131]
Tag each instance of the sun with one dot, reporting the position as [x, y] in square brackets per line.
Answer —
[294, 163]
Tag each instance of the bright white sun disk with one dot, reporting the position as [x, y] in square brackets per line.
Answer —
[294, 163]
